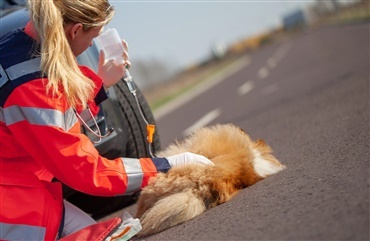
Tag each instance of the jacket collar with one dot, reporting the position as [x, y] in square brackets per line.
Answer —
[31, 31]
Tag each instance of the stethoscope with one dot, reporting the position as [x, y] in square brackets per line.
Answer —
[97, 133]
[150, 128]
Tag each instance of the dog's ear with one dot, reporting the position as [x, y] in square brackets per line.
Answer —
[260, 142]
[262, 147]
[242, 129]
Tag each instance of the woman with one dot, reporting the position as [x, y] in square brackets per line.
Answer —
[42, 93]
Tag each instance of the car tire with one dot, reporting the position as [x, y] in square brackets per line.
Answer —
[137, 144]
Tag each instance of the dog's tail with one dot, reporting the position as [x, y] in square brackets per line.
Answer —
[184, 206]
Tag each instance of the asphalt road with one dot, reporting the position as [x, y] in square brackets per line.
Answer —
[308, 97]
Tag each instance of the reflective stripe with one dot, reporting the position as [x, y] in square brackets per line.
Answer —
[2, 119]
[21, 232]
[134, 174]
[3, 76]
[39, 116]
[24, 68]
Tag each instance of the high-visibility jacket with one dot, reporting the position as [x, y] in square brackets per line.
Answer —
[40, 139]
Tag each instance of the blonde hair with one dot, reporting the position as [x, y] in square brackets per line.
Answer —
[58, 62]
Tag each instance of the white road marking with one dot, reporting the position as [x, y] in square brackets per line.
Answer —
[263, 73]
[281, 52]
[203, 87]
[246, 87]
[210, 116]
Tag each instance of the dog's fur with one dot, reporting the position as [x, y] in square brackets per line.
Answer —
[187, 191]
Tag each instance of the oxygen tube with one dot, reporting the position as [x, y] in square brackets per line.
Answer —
[111, 43]
[150, 128]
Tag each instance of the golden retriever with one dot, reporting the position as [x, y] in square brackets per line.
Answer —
[187, 191]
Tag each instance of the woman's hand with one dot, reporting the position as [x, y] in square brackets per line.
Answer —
[110, 71]
[188, 158]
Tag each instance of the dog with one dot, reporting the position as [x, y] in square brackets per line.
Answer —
[186, 191]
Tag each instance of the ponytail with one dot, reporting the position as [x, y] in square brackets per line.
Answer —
[58, 62]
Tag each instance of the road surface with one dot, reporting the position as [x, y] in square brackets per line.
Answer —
[308, 97]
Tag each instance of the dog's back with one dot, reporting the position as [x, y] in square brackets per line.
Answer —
[187, 191]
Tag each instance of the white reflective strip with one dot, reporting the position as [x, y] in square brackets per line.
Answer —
[39, 116]
[70, 119]
[21, 69]
[21, 232]
[134, 174]
[2, 119]
[3, 76]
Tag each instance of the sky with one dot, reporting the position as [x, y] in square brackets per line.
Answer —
[181, 32]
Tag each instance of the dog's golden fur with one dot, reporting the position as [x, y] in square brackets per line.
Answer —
[187, 191]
